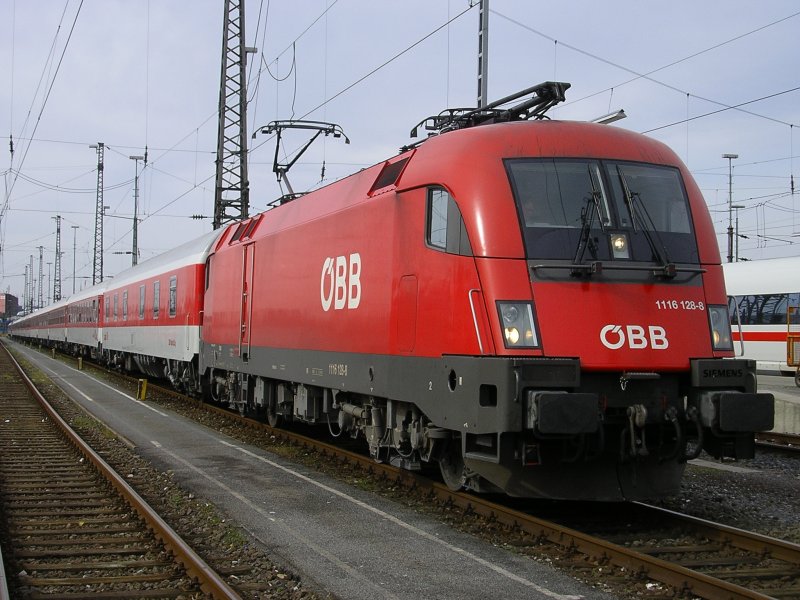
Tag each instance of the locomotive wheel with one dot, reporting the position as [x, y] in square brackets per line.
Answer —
[797, 377]
[451, 464]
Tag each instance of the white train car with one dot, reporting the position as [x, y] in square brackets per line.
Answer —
[763, 295]
[71, 324]
[152, 313]
[83, 331]
[47, 325]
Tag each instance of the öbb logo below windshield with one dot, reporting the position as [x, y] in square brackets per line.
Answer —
[340, 283]
[634, 337]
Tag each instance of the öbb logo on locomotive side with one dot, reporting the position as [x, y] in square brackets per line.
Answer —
[634, 337]
[340, 283]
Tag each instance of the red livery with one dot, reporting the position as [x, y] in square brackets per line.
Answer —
[537, 306]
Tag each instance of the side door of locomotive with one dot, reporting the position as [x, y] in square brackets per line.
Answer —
[246, 312]
[439, 285]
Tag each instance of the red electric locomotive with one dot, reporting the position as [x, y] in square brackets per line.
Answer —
[538, 306]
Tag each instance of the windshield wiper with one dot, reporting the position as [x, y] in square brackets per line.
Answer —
[585, 240]
[638, 212]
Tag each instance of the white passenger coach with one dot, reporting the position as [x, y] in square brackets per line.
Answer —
[764, 302]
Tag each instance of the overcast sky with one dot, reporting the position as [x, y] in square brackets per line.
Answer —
[138, 73]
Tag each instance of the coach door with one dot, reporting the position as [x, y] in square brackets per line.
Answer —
[793, 339]
[246, 314]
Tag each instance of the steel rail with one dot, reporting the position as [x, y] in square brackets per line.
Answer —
[779, 441]
[684, 580]
[210, 582]
[740, 538]
[3, 580]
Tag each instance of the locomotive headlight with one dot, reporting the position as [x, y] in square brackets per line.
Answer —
[720, 324]
[512, 335]
[519, 328]
[511, 314]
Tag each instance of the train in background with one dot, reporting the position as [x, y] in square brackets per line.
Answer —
[764, 304]
[537, 306]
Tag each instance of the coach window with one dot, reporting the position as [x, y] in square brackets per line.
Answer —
[116, 306]
[141, 302]
[173, 296]
[445, 226]
[156, 297]
[108, 307]
[125, 305]
[763, 309]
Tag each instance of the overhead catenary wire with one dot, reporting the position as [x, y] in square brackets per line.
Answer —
[725, 108]
[10, 187]
[35, 95]
[375, 70]
[147, 83]
[11, 80]
[46, 98]
[263, 30]
[253, 68]
[647, 75]
[687, 94]
[69, 190]
[344, 90]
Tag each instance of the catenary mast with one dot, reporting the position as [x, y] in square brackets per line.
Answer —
[483, 54]
[231, 196]
[57, 269]
[97, 268]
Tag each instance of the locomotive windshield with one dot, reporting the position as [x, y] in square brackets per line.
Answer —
[575, 209]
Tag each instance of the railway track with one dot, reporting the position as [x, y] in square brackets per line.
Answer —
[73, 527]
[789, 442]
[690, 556]
[716, 560]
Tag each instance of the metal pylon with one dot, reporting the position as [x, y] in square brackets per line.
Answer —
[41, 268]
[483, 54]
[231, 196]
[57, 269]
[97, 269]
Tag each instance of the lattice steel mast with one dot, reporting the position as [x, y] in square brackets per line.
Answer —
[57, 269]
[483, 54]
[97, 269]
[29, 286]
[25, 292]
[232, 197]
[41, 268]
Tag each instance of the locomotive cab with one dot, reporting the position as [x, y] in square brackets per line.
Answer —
[538, 307]
[619, 340]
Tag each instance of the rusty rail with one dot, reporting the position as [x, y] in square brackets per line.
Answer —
[682, 579]
[210, 582]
